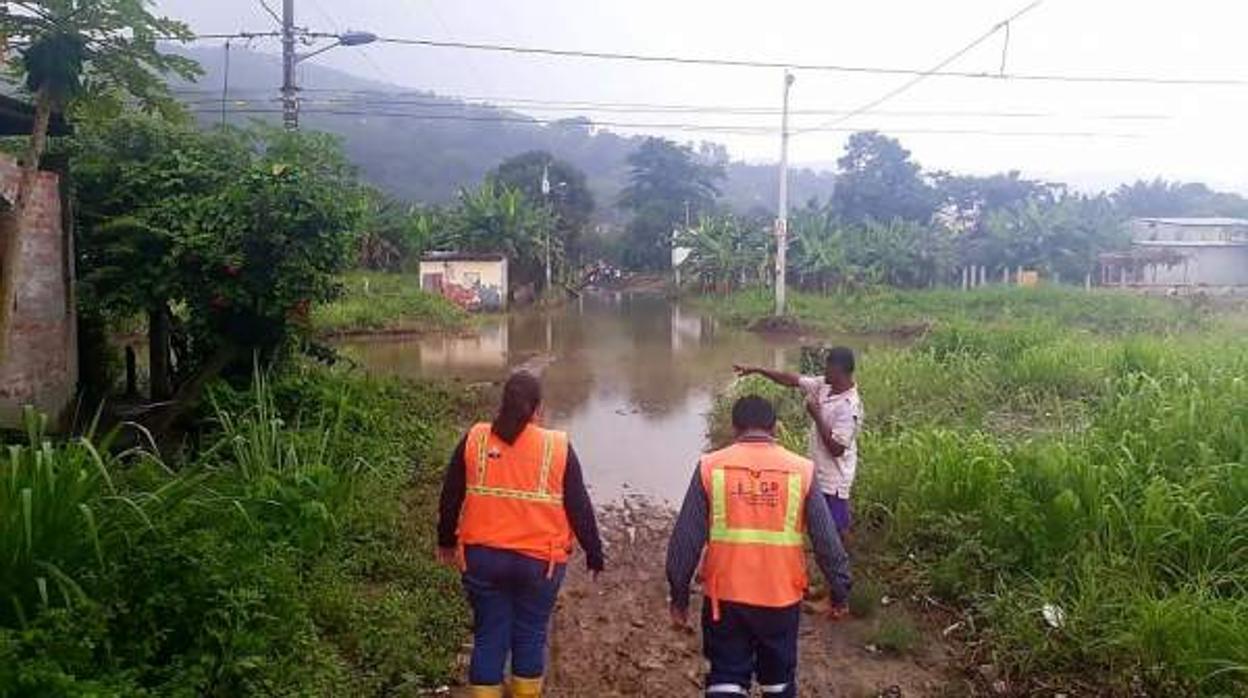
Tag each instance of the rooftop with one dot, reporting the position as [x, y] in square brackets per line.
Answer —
[1191, 243]
[1211, 222]
[463, 257]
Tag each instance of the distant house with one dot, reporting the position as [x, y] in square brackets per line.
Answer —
[1182, 254]
[471, 280]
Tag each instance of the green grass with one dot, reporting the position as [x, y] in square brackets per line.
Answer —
[886, 310]
[895, 633]
[380, 301]
[291, 556]
[1055, 459]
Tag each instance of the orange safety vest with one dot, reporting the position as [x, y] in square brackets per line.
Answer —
[514, 498]
[756, 548]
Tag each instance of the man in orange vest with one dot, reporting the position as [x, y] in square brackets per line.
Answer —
[512, 500]
[748, 507]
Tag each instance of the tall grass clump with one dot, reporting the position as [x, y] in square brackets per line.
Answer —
[1142, 511]
[1071, 470]
[275, 561]
[63, 519]
[379, 301]
[888, 310]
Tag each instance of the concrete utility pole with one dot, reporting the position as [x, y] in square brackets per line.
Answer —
[546, 192]
[290, 104]
[782, 206]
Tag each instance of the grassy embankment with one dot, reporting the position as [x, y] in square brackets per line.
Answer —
[375, 302]
[289, 556]
[1087, 453]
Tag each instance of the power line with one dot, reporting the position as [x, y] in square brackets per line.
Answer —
[770, 64]
[799, 65]
[928, 73]
[218, 37]
[743, 129]
[381, 72]
[269, 10]
[462, 102]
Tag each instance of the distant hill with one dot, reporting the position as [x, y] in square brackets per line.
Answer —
[454, 144]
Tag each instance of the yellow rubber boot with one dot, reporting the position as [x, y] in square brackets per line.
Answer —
[526, 688]
[495, 691]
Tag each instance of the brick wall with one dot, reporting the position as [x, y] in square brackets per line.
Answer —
[41, 367]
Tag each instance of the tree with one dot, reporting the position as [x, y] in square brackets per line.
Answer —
[878, 181]
[570, 200]
[499, 218]
[1162, 198]
[667, 183]
[1062, 237]
[726, 251]
[104, 48]
[270, 244]
[969, 202]
[139, 179]
[241, 231]
[394, 234]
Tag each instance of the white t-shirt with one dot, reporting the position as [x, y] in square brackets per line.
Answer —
[843, 413]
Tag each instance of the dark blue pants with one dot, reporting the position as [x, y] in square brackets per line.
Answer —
[751, 642]
[512, 599]
[842, 513]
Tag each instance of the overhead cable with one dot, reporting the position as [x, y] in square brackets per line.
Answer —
[743, 129]
[927, 73]
[772, 63]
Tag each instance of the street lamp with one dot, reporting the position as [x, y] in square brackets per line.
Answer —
[290, 105]
[345, 39]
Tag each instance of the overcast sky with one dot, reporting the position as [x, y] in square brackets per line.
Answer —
[1189, 132]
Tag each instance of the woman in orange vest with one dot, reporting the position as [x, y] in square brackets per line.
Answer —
[750, 507]
[512, 501]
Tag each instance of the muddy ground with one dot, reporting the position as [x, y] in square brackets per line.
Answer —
[613, 637]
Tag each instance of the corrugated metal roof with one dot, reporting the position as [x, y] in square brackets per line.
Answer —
[1211, 222]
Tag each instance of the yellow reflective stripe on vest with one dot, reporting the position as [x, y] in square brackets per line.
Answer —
[548, 455]
[515, 494]
[483, 454]
[541, 495]
[721, 532]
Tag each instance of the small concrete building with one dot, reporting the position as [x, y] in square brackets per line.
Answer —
[475, 281]
[1182, 254]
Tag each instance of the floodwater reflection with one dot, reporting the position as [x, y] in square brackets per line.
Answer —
[631, 377]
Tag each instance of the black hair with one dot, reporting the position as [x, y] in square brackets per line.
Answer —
[522, 395]
[753, 412]
[842, 358]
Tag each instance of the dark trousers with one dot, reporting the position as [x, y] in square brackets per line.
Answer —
[751, 642]
[512, 598]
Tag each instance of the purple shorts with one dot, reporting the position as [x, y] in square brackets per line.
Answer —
[841, 514]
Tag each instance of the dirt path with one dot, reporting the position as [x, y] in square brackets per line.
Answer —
[613, 638]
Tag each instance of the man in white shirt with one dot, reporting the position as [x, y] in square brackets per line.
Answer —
[836, 412]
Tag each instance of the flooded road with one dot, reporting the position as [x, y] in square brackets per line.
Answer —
[631, 378]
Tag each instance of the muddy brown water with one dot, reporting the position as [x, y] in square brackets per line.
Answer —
[630, 377]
